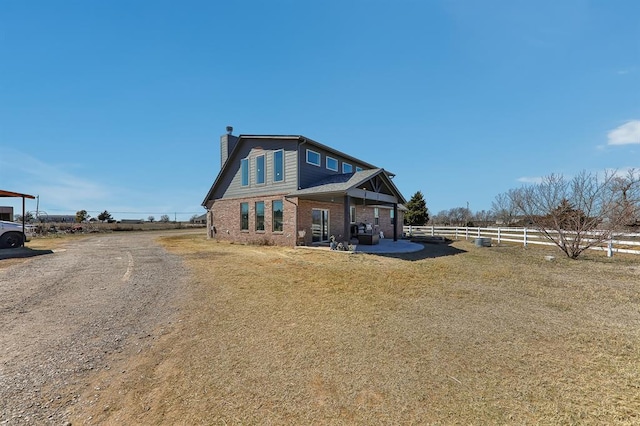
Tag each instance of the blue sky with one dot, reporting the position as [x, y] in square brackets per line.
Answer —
[119, 105]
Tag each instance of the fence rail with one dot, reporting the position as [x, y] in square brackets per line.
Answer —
[622, 243]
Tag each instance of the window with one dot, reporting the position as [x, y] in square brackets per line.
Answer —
[244, 171]
[278, 166]
[352, 214]
[277, 215]
[244, 216]
[313, 158]
[332, 164]
[358, 169]
[260, 216]
[391, 215]
[347, 168]
[260, 169]
[376, 216]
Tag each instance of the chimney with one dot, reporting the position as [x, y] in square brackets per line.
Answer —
[227, 143]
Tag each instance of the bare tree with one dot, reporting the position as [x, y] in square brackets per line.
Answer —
[574, 214]
[503, 207]
[459, 216]
[483, 218]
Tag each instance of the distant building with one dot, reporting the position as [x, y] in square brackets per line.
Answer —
[57, 218]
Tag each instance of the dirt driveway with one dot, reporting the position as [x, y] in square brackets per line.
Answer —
[64, 316]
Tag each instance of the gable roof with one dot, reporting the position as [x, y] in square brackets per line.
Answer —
[300, 139]
[343, 183]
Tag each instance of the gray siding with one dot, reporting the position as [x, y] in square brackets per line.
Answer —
[310, 174]
[231, 185]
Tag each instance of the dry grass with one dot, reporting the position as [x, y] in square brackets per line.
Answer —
[290, 336]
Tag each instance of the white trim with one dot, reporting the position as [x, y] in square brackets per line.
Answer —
[327, 163]
[347, 164]
[319, 158]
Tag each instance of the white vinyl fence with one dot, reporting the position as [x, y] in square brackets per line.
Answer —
[623, 243]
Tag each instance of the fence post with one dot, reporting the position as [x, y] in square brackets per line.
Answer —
[525, 237]
[456, 232]
[610, 249]
[498, 235]
[478, 232]
[466, 232]
[432, 234]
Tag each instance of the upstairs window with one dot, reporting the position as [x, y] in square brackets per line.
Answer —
[278, 166]
[358, 169]
[332, 164]
[260, 169]
[347, 168]
[244, 171]
[260, 216]
[277, 216]
[313, 157]
[244, 216]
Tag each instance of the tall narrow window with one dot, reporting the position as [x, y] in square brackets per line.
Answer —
[260, 216]
[347, 168]
[376, 216]
[278, 166]
[277, 216]
[391, 215]
[260, 169]
[244, 216]
[352, 214]
[244, 171]
[332, 164]
[313, 157]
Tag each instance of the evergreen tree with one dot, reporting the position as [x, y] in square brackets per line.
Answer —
[417, 213]
[105, 216]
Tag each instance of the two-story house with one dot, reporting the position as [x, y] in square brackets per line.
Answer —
[288, 190]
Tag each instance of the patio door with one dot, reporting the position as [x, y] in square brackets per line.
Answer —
[319, 225]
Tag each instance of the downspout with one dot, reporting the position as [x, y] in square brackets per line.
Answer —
[299, 162]
[304, 141]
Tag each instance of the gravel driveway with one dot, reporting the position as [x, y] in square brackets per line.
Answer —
[64, 316]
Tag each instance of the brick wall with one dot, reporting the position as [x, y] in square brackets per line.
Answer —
[225, 218]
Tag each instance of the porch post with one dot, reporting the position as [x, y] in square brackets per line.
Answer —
[395, 218]
[347, 221]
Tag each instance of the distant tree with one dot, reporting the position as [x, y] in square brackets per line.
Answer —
[105, 216]
[164, 218]
[503, 207]
[483, 218]
[81, 216]
[459, 216]
[28, 217]
[442, 218]
[151, 219]
[417, 213]
[579, 213]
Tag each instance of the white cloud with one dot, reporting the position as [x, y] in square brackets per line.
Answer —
[57, 186]
[626, 134]
[526, 179]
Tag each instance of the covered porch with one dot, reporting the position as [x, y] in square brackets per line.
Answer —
[356, 208]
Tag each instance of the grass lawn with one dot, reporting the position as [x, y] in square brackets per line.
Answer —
[292, 336]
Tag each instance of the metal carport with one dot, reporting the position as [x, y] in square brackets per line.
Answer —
[4, 193]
